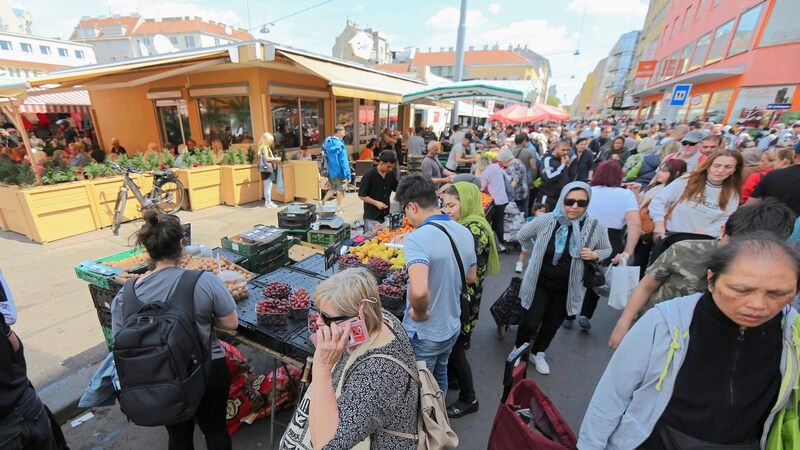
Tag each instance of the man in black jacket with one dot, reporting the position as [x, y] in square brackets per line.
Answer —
[555, 174]
[597, 144]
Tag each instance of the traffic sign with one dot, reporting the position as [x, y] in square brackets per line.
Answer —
[696, 100]
[680, 93]
[778, 106]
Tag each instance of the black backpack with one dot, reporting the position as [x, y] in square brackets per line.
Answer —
[161, 360]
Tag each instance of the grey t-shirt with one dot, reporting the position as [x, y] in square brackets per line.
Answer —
[416, 145]
[469, 178]
[452, 164]
[211, 299]
[431, 167]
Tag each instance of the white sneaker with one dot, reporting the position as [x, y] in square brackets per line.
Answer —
[518, 267]
[540, 364]
[271, 205]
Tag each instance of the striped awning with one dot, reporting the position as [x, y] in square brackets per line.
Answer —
[58, 102]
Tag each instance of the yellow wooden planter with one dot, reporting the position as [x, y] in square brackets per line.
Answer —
[104, 196]
[288, 185]
[241, 184]
[12, 217]
[202, 185]
[58, 211]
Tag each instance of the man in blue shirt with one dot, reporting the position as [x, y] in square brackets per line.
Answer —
[335, 151]
[433, 314]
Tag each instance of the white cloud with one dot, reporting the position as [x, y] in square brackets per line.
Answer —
[626, 8]
[158, 9]
[360, 8]
[536, 33]
[495, 8]
[447, 18]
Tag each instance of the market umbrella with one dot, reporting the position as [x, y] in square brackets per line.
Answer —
[536, 113]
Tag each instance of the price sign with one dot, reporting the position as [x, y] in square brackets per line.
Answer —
[332, 254]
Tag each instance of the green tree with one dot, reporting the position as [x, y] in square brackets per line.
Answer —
[553, 101]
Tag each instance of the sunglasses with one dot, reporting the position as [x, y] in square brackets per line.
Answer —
[572, 202]
[688, 144]
[330, 320]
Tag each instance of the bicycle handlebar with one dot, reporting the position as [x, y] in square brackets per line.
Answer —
[119, 168]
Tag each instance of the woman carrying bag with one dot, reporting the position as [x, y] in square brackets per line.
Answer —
[553, 285]
[266, 165]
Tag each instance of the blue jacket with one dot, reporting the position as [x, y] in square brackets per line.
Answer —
[638, 383]
[336, 154]
[649, 169]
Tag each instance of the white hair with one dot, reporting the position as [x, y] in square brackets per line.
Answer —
[505, 155]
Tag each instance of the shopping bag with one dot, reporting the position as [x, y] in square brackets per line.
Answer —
[623, 281]
[507, 310]
[279, 180]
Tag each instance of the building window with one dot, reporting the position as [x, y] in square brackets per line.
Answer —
[720, 43]
[700, 51]
[5, 45]
[189, 41]
[672, 65]
[226, 119]
[683, 64]
[297, 121]
[216, 42]
[675, 26]
[781, 26]
[745, 30]
[148, 41]
[387, 116]
[112, 58]
[687, 17]
[173, 40]
[716, 2]
[63, 52]
[109, 45]
[345, 116]
[173, 121]
[718, 105]
[123, 46]
[27, 48]
[45, 50]
[700, 9]
[79, 54]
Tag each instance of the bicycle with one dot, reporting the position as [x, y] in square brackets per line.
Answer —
[167, 195]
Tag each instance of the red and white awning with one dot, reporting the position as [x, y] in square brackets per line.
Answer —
[58, 102]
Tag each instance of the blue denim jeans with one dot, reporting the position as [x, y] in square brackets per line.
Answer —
[435, 355]
[268, 190]
[27, 426]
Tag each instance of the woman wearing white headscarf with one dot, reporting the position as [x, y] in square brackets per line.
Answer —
[552, 287]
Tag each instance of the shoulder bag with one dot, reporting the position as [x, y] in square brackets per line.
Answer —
[464, 298]
[593, 275]
[264, 165]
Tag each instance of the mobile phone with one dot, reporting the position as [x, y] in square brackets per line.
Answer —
[358, 332]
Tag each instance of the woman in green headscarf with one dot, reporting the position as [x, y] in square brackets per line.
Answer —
[462, 201]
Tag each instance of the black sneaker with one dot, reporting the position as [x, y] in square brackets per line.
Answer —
[461, 409]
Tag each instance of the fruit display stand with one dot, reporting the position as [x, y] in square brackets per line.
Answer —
[202, 185]
[241, 184]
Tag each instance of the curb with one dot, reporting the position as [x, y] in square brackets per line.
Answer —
[62, 395]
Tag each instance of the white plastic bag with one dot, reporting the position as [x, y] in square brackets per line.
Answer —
[623, 281]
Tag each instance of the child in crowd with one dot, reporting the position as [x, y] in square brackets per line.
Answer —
[538, 208]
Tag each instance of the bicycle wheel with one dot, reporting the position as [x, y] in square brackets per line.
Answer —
[168, 198]
[119, 211]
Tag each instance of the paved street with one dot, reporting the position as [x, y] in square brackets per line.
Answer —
[55, 308]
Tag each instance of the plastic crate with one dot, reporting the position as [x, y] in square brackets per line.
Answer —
[294, 278]
[102, 298]
[326, 237]
[274, 257]
[229, 255]
[297, 216]
[314, 265]
[108, 337]
[273, 337]
[236, 244]
[108, 281]
[299, 234]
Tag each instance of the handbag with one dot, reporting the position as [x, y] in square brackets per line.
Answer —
[264, 165]
[507, 309]
[464, 298]
[784, 434]
[593, 275]
[622, 280]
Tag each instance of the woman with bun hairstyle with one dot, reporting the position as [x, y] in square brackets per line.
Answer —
[162, 237]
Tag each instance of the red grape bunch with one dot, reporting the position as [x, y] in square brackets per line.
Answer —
[312, 322]
[277, 290]
[390, 290]
[272, 306]
[379, 264]
[300, 299]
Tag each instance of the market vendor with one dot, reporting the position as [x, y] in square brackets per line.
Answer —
[432, 168]
[377, 186]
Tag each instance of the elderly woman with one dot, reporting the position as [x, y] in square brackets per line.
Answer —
[515, 170]
[710, 370]
[552, 287]
[493, 181]
[462, 202]
[357, 397]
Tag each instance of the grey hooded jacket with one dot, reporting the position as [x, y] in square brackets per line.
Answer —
[638, 383]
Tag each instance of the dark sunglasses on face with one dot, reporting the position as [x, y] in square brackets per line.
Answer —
[688, 144]
[329, 320]
[572, 201]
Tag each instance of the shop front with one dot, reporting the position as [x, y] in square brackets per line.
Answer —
[227, 97]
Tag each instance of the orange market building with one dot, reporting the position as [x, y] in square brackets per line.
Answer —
[738, 55]
[235, 93]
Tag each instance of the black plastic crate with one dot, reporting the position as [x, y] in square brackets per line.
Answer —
[294, 278]
[229, 255]
[271, 336]
[104, 316]
[298, 345]
[302, 215]
[314, 265]
[102, 297]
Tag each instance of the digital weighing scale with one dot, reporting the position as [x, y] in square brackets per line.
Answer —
[334, 223]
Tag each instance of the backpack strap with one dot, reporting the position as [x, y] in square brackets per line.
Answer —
[186, 285]
[130, 301]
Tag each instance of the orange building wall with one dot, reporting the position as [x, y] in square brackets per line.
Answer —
[127, 113]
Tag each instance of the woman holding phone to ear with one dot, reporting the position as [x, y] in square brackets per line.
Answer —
[356, 400]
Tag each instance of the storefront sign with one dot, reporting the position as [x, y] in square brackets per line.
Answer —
[23, 73]
[645, 69]
[779, 106]
[696, 100]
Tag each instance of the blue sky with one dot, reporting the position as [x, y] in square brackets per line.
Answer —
[549, 27]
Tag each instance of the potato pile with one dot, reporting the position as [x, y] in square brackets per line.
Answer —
[142, 259]
[237, 288]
